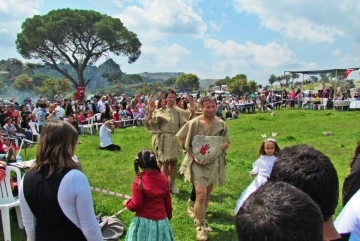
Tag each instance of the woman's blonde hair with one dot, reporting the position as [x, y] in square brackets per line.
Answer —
[56, 147]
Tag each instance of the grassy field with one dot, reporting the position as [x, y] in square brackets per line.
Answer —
[114, 171]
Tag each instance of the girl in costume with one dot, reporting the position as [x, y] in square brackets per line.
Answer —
[151, 201]
[262, 167]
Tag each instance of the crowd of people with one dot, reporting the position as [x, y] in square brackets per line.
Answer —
[293, 197]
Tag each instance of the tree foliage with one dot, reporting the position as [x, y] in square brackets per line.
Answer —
[77, 37]
[170, 81]
[38, 79]
[239, 85]
[23, 82]
[272, 79]
[187, 82]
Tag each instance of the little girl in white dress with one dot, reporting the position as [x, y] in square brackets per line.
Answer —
[262, 167]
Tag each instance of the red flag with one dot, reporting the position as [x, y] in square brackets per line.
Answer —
[347, 72]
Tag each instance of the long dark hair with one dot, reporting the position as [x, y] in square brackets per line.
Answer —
[145, 159]
[262, 148]
[356, 154]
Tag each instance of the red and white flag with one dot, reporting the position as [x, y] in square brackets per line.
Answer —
[347, 72]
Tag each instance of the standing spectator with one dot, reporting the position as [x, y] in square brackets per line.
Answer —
[279, 211]
[55, 197]
[57, 97]
[101, 105]
[67, 107]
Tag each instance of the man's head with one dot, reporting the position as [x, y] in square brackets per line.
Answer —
[208, 106]
[278, 211]
[170, 97]
[51, 107]
[311, 171]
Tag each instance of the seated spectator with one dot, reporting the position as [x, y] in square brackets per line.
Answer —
[105, 140]
[122, 112]
[279, 211]
[14, 186]
[116, 115]
[80, 117]
[89, 114]
[129, 112]
[352, 181]
[74, 123]
[235, 113]
[312, 172]
[107, 113]
[228, 114]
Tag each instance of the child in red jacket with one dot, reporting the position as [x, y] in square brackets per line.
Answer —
[14, 186]
[151, 201]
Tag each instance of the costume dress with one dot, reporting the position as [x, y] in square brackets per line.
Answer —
[213, 172]
[152, 205]
[164, 124]
[262, 167]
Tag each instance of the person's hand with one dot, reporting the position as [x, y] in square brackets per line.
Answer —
[199, 162]
[125, 202]
[152, 106]
[224, 146]
[252, 174]
[192, 106]
[3, 164]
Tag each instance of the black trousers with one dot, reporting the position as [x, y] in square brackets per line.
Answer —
[111, 147]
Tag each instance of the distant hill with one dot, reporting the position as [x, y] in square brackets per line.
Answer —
[151, 77]
[12, 68]
[205, 83]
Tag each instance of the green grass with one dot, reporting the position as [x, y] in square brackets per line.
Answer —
[114, 171]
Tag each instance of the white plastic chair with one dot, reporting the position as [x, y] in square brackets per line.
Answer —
[88, 127]
[7, 201]
[35, 130]
[324, 102]
[97, 121]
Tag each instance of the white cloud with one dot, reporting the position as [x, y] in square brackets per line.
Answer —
[254, 59]
[321, 22]
[12, 14]
[164, 57]
[163, 17]
[269, 55]
[336, 52]
[214, 26]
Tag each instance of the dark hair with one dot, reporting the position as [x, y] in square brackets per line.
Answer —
[207, 98]
[356, 154]
[262, 148]
[145, 159]
[56, 146]
[312, 172]
[159, 102]
[170, 91]
[279, 212]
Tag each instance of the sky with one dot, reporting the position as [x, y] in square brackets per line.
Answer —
[217, 38]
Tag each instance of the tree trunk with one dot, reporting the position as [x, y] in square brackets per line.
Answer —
[80, 76]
